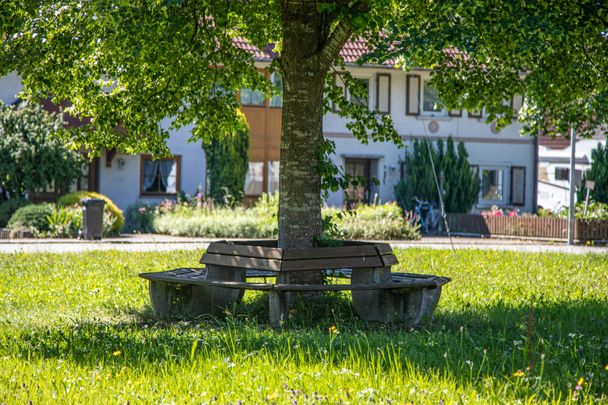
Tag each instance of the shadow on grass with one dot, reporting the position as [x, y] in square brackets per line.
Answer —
[569, 338]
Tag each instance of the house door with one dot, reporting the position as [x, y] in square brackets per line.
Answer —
[358, 169]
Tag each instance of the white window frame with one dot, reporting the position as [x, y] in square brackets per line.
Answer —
[439, 113]
[486, 203]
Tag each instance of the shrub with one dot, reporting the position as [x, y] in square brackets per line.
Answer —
[227, 158]
[460, 185]
[115, 214]
[366, 222]
[31, 156]
[32, 217]
[8, 208]
[65, 222]
[140, 218]
[597, 173]
[381, 222]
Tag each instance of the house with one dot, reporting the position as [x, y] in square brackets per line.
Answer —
[504, 161]
[554, 168]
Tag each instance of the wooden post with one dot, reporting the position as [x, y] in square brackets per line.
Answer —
[572, 200]
[279, 303]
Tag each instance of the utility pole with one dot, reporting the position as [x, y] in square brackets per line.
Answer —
[572, 200]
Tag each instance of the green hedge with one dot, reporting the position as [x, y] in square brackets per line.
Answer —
[32, 217]
[8, 208]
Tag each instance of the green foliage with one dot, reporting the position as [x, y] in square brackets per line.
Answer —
[227, 157]
[595, 211]
[33, 217]
[597, 173]
[30, 157]
[8, 208]
[139, 218]
[459, 184]
[110, 209]
[65, 222]
[373, 222]
[496, 44]
[365, 222]
[87, 324]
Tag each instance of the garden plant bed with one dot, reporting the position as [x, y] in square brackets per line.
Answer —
[378, 294]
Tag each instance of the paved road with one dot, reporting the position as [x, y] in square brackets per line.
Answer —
[162, 242]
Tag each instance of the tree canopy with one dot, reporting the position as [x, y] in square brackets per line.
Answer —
[131, 64]
[30, 157]
[553, 52]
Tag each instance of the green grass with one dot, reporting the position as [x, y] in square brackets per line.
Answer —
[78, 328]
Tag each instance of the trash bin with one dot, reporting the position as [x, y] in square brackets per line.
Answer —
[92, 218]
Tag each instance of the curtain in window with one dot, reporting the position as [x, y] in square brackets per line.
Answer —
[149, 175]
[168, 176]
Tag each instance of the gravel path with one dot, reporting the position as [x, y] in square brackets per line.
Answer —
[162, 243]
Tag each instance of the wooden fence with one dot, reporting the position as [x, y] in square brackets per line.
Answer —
[528, 226]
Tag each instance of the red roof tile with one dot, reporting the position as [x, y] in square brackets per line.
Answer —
[352, 51]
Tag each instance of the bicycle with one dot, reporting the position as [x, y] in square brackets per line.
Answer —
[429, 216]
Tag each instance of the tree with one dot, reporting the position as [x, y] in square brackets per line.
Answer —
[128, 65]
[30, 157]
[598, 173]
[458, 184]
[552, 52]
[227, 158]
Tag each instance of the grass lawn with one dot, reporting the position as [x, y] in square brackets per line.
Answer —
[510, 327]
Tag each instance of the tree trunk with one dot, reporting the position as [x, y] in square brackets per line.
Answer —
[308, 51]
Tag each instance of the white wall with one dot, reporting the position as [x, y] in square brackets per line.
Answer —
[121, 184]
[10, 85]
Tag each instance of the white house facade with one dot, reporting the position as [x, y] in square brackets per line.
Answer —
[505, 161]
[554, 169]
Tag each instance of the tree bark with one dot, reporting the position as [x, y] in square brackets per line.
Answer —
[309, 49]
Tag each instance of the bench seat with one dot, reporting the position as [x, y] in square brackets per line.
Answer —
[378, 294]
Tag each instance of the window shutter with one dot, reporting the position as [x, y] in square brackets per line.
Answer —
[518, 185]
[383, 93]
[518, 102]
[455, 113]
[339, 83]
[412, 101]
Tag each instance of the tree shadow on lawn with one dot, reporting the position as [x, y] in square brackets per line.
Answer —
[470, 344]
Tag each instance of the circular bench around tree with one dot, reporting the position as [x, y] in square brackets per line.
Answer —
[378, 294]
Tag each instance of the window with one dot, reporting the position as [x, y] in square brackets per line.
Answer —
[492, 185]
[562, 173]
[518, 185]
[430, 99]
[159, 176]
[358, 169]
[254, 180]
[273, 176]
[383, 93]
[277, 82]
[363, 98]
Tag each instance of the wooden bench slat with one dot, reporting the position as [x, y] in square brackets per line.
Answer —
[242, 262]
[400, 281]
[329, 252]
[233, 249]
[333, 263]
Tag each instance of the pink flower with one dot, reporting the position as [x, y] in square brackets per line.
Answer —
[199, 196]
[513, 213]
[498, 214]
[142, 210]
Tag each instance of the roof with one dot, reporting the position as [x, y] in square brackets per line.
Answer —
[352, 51]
